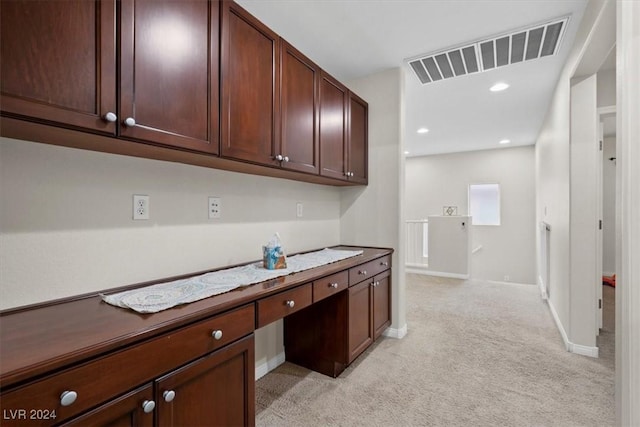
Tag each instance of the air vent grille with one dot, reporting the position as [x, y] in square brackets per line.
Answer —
[522, 45]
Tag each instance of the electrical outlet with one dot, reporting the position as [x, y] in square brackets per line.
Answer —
[140, 206]
[299, 208]
[215, 207]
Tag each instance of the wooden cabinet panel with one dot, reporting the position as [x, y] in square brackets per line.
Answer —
[250, 64]
[283, 304]
[381, 303]
[59, 61]
[142, 363]
[369, 269]
[333, 127]
[358, 157]
[299, 78]
[360, 319]
[330, 285]
[216, 390]
[169, 72]
[125, 411]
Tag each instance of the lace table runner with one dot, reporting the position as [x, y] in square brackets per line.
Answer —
[155, 298]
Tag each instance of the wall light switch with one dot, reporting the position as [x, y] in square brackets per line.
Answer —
[215, 207]
[299, 211]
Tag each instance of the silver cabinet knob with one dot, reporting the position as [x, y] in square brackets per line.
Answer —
[333, 285]
[286, 158]
[217, 334]
[68, 397]
[169, 395]
[290, 303]
[384, 264]
[148, 406]
[279, 157]
[130, 121]
[362, 272]
[377, 284]
[110, 117]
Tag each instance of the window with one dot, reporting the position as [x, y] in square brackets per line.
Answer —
[484, 204]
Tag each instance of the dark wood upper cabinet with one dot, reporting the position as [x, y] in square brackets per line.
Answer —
[357, 153]
[333, 127]
[250, 87]
[59, 62]
[299, 92]
[169, 72]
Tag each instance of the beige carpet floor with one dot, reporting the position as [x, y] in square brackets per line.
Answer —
[476, 354]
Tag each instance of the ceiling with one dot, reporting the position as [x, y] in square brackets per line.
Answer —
[355, 38]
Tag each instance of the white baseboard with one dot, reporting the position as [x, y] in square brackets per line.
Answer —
[501, 282]
[563, 333]
[583, 350]
[568, 345]
[396, 333]
[268, 366]
[543, 290]
[434, 273]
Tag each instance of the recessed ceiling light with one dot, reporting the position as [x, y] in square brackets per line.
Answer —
[423, 130]
[505, 141]
[498, 87]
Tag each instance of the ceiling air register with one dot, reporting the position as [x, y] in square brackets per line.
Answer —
[522, 45]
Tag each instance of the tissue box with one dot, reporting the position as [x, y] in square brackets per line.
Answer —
[273, 258]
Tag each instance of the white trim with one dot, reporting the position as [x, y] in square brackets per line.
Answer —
[501, 282]
[396, 333]
[271, 364]
[568, 345]
[608, 273]
[611, 109]
[583, 350]
[543, 291]
[563, 333]
[424, 272]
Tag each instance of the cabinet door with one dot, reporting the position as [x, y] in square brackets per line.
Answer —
[216, 390]
[125, 411]
[299, 78]
[381, 303]
[360, 321]
[250, 64]
[358, 157]
[333, 128]
[169, 72]
[59, 62]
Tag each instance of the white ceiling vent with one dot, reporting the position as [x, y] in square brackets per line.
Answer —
[518, 46]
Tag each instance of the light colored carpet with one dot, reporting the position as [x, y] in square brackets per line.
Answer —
[476, 354]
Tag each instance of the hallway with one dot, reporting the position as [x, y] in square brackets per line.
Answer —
[476, 353]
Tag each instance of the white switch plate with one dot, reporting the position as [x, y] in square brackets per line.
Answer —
[299, 210]
[215, 207]
[140, 206]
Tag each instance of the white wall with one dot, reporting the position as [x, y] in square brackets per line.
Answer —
[442, 180]
[372, 215]
[66, 227]
[553, 167]
[609, 207]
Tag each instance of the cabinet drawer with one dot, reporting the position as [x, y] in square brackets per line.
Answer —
[330, 285]
[369, 269]
[278, 306]
[99, 380]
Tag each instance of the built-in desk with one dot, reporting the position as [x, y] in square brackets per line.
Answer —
[82, 362]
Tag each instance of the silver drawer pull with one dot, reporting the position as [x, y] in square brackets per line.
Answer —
[290, 303]
[333, 285]
[148, 406]
[169, 395]
[384, 264]
[217, 334]
[68, 397]
[363, 272]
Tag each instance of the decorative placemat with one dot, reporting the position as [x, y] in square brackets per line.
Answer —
[155, 298]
